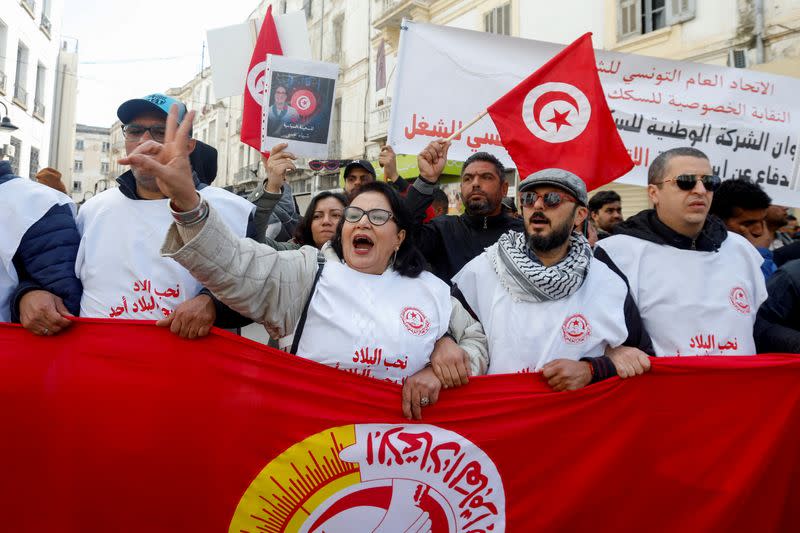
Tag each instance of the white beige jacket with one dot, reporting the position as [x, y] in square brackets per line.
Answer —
[272, 287]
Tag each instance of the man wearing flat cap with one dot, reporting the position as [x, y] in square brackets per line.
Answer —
[545, 303]
[123, 273]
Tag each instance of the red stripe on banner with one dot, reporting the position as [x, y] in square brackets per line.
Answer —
[122, 426]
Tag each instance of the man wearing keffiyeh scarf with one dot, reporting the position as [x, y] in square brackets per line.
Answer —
[545, 303]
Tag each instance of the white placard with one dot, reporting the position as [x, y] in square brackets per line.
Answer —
[298, 105]
[747, 122]
[231, 47]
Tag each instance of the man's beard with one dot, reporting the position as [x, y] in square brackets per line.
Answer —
[478, 205]
[558, 236]
[147, 183]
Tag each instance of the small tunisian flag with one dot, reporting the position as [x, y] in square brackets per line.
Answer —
[558, 117]
[255, 85]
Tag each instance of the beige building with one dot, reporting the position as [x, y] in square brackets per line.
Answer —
[91, 167]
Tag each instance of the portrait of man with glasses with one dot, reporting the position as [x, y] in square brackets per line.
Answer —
[119, 261]
[697, 285]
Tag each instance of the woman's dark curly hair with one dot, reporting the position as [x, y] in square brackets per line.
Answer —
[409, 261]
[302, 233]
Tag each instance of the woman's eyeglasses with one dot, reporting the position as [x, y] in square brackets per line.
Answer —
[379, 217]
[687, 182]
[550, 199]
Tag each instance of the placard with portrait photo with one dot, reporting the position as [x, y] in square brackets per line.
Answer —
[298, 105]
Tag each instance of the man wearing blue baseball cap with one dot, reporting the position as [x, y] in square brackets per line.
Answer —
[119, 264]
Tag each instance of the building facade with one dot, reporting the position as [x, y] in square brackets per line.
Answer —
[91, 167]
[29, 54]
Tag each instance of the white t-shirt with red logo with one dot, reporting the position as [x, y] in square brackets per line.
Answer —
[383, 327]
[693, 302]
[119, 260]
[524, 336]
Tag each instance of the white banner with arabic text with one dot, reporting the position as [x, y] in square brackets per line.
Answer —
[747, 122]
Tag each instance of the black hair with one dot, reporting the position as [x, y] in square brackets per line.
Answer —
[791, 217]
[489, 158]
[302, 233]
[440, 198]
[409, 261]
[602, 198]
[743, 194]
[655, 174]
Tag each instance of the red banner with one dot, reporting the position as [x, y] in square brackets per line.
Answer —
[122, 426]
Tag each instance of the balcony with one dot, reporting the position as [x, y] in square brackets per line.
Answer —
[20, 97]
[29, 6]
[244, 175]
[38, 110]
[379, 121]
[2, 82]
[393, 12]
[45, 25]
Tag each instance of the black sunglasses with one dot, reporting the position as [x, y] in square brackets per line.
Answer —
[550, 199]
[379, 217]
[687, 182]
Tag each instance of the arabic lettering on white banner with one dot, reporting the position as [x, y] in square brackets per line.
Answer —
[747, 122]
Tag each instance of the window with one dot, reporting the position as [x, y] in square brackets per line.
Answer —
[208, 95]
[78, 166]
[104, 167]
[3, 40]
[106, 146]
[338, 33]
[76, 185]
[212, 132]
[79, 144]
[498, 20]
[45, 24]
[34, 163]
[21, 77]
[17, 144]
[38, 100]
[636, 17]
[308, 7]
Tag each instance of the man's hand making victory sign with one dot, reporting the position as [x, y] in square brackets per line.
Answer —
[169, 162]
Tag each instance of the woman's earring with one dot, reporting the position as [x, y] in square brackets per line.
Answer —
[394, 257]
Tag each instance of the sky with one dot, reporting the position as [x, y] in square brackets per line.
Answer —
[134, 48]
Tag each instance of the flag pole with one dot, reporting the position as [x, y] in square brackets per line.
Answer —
[464, 128]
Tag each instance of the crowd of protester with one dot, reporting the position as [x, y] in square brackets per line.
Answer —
[380, 281]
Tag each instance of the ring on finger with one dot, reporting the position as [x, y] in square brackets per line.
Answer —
[45, 331]
[424, 401]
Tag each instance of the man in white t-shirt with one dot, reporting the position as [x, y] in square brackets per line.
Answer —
[698, 287]
[119, 264]
[545, 303]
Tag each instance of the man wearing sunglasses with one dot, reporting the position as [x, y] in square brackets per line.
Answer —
[119, 264]
[544, 302]
[697, 285]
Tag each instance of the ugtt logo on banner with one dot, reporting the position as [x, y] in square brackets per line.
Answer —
[376, 477]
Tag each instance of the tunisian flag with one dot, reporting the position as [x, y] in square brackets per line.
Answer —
[121, 426]
[558, 117]
[255, 86]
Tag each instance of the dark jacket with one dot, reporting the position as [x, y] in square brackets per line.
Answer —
[274, 208]
[646, 225]
[45, 258]
[777, 326]
[450, 242]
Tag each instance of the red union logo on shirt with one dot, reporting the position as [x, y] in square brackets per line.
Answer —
[556, 112]
[415, 321]
[575, 329]
[739, 300]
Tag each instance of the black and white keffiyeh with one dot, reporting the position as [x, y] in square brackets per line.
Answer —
[528, 280]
